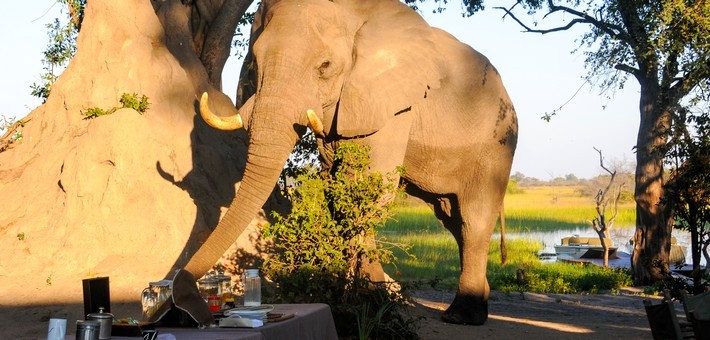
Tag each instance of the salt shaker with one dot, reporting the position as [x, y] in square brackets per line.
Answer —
[252, 287]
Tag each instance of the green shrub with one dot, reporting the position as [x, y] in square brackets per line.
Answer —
[128, 101]
[94, 112]
[131, 101]
[320, 248]
[514, 188]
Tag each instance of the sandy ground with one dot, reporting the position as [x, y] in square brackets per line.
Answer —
[511, 316]
[541, 316]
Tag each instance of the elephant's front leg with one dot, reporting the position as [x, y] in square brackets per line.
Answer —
[472, 233]
[387, 149]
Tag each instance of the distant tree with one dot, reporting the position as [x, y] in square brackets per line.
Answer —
[665, 47]
[518, 177]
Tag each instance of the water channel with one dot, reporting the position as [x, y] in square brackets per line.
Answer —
[620, 237]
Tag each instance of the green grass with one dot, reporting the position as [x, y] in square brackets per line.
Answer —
[433, 255]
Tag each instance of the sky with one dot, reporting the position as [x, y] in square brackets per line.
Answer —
[539, 71]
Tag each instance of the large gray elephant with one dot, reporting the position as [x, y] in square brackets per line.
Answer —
[374, 71]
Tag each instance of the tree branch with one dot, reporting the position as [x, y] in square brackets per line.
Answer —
[629, 69]
[74, 15]
[218, 38]
[612, 30]
[685, 84]
[646, 56]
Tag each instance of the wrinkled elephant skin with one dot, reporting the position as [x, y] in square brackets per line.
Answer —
[374, 71]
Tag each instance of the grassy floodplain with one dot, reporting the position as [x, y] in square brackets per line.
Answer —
[433, 254]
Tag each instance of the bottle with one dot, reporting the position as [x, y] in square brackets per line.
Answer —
[252, 287]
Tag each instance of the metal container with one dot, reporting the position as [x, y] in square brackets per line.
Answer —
[87, 330]
[105, 320]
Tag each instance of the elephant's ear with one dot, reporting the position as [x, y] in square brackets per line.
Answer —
[395, 64]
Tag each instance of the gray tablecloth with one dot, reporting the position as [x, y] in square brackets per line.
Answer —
[311, 321]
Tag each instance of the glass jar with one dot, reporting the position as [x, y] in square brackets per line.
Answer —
[209, 290]
[225, 289]
[153, 297]
[149, 300]
[252, 287]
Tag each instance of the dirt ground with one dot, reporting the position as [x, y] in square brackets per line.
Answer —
[540, 316]
[511, 316]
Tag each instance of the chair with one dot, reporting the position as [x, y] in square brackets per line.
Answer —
[697, 311]
[662, 319]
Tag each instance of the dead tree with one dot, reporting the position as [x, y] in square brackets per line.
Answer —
[601, 224]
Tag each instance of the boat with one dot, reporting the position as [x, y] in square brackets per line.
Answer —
[575, 247]
[676, 256]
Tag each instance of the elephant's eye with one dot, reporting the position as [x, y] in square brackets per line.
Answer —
[323, 68]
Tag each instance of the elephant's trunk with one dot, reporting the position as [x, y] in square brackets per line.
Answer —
[270, 145]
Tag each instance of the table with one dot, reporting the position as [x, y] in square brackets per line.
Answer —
[311, 321]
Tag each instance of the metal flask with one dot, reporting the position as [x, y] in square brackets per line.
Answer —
[105, 320]
[87, 330]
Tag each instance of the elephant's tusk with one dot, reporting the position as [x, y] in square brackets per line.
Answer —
[226, 123]
[314, 122]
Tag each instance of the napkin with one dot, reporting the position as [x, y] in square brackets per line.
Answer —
[240, 322]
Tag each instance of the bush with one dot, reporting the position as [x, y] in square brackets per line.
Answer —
[513, 187]
[128, 101]
[319, 249]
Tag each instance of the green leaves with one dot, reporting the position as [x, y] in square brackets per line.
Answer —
[331, 217]
[320, 248]
[60, 47]
[131, 101]
[128, 101]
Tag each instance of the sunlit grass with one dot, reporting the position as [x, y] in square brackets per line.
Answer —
[435, 253]
[544, 208]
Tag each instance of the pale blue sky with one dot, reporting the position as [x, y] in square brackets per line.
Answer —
[539, 72]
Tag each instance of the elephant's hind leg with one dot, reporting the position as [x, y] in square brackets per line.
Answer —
[471, 226]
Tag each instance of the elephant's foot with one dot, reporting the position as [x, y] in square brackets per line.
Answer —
[467, 310]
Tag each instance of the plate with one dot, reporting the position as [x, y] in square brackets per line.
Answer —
[249, 310]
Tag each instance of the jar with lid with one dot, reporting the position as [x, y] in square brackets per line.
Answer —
[87, 329]
[252, 287]
[105, 321]
[225, 289]
[209, 290]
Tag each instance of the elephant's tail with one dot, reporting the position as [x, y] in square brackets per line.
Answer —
[503, 249]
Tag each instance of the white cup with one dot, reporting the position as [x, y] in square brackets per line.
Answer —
[57, 329]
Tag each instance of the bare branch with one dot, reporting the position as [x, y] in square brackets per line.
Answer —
[544, 31]
[601, 163]
[615, 31]
[615, 209]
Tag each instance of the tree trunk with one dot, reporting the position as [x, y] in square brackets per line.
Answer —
[653, 225]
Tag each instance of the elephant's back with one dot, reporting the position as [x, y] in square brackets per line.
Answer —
[467, 125]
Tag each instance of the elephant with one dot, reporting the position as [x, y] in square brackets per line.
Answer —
[374, 72]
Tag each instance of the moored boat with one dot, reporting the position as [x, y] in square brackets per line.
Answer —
[575, 247]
